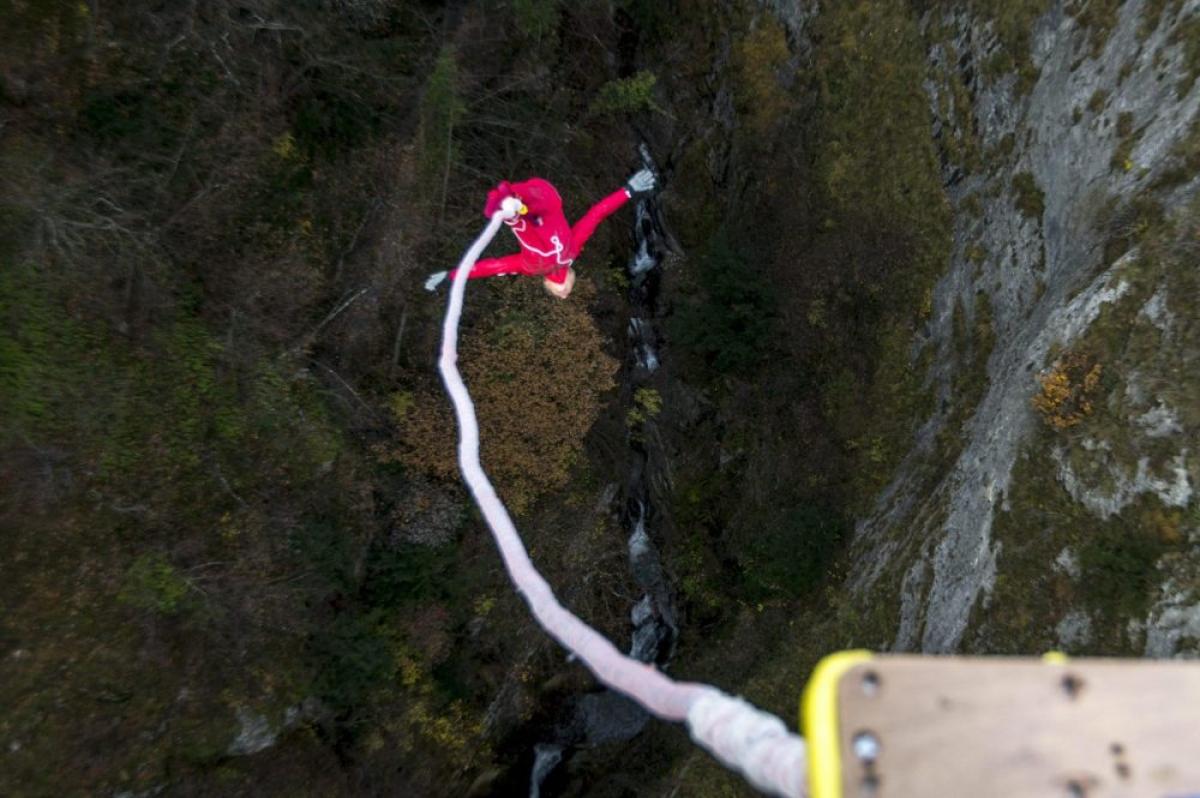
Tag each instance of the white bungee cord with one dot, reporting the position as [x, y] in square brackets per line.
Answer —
[742, 737]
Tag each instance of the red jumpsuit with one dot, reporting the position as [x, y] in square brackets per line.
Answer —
[548, 244]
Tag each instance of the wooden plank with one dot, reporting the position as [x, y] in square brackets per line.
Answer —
[955, 726]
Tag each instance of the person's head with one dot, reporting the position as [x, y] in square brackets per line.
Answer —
[539, 199]
[560, 290]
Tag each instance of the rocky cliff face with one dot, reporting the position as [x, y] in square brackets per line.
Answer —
[1072, 177]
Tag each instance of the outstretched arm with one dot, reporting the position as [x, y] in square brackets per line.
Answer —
[641, 183]
[491, 267]
[588, 223]
[488, 267]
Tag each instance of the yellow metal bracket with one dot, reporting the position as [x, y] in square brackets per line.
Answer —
[819, 719]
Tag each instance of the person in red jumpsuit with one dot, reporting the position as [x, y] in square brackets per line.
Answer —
[549, 245]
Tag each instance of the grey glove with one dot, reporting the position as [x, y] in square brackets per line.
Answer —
[435, 279]
[641, 184]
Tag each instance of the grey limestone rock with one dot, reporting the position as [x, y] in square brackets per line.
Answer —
[1045, 280]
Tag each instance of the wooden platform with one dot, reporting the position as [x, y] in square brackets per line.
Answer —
[957, 727]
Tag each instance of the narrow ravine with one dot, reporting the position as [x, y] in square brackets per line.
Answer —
[607, 717]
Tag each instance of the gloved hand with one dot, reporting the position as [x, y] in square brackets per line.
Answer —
[435, 279]
[641, 184]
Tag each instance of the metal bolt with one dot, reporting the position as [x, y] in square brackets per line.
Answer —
[865, 746]
[870, 683]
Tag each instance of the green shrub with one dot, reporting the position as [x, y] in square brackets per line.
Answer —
[325, 548]
[1012, 22]
[26, 349]
[1151, 17]
[1126, 225]
[791, 552]
[441, 108]
[143, 123]
[332, 124]
[1030, 199]
[536, 18]
[152, 583]
[1184, 161]
[48, 360]
[1099, 17]
[627, 95]
[654, 19]
[759, 58]
[1128, 139]
[351, 657]
[1125, 124]
[647, 403]
[410, 574]
[1187, 35]
[726, 324]
[1119, 570]
[44, 28]
[882, 193]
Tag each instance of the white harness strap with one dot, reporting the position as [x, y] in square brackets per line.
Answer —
[556, 253]
[742, 737]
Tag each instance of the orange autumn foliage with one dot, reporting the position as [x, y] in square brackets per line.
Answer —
[536, 369]
[1068, 390]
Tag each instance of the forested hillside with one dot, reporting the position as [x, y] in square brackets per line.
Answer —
[228, 501]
